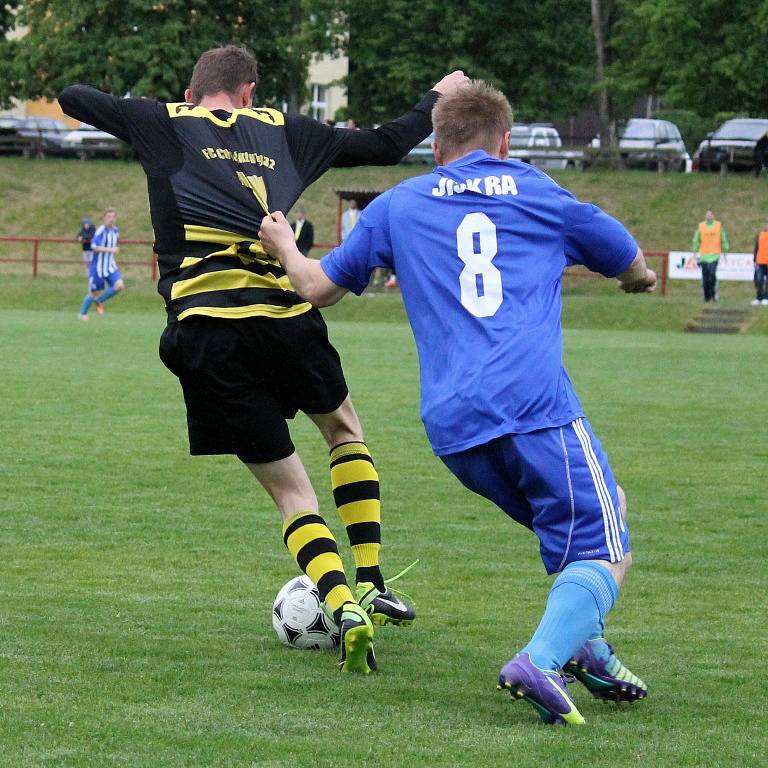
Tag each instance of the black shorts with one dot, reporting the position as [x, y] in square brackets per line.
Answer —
[243, 378]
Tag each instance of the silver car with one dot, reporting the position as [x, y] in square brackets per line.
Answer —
[645, 143]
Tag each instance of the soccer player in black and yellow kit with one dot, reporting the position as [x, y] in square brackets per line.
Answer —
[249, 352]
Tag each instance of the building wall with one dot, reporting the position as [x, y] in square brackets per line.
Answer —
[326, 94]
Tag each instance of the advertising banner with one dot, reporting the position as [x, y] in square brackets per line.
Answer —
[734, 266]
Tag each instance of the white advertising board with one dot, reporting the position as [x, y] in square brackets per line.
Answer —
[734, 266]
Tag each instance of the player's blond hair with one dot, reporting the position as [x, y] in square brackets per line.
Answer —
[474, 117]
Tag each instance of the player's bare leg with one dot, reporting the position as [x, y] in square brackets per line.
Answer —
[355, 484]
[313, 546]
[113, 290]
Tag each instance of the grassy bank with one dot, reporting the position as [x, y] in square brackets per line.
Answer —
[48, 197]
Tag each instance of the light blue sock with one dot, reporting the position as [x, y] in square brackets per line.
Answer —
[105, 295]
[86, 305]
[578, 602]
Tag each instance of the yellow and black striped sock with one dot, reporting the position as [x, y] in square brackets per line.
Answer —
[355, 484]
[311, 543]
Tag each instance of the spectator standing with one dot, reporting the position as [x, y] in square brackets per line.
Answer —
[303, 231]
[710, 242]
[761, 266]
[349, 218]
[104, 269]
[84, 237]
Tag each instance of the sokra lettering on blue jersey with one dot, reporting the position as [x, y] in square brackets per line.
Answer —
[485, 185]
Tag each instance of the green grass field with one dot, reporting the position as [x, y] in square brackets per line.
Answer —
[136, 582]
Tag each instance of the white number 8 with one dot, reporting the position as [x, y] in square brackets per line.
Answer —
[481, 297]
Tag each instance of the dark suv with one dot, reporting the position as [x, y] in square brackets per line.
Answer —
[732, 145]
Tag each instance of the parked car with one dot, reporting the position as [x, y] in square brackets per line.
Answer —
[44, 134]
[88, 141]
[541, 145]
[10, 138]
[536, 144]
[645, 143]
[732, 145]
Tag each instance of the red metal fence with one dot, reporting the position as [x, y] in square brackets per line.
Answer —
[151, 261]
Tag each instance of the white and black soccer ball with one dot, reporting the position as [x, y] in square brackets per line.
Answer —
[299, 619]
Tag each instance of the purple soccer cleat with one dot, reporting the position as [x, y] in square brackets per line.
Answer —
[596, 666]
[543, 689]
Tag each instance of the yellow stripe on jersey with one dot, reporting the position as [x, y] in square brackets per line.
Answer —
[227, 280]
[251, 310]
[263, 114]
[200, 234]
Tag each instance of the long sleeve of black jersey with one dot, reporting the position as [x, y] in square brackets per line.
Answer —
[142, 123]
[316, 147]
[96, 108]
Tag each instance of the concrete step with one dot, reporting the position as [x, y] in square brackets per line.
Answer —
[719, 320]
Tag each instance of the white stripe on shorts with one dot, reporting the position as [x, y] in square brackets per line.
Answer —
[570, 494]
[610, 523]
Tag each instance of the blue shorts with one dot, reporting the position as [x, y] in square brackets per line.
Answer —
[97, 283]
[558, 483]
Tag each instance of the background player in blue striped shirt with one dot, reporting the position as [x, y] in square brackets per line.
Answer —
[479, 246]
[104, 269]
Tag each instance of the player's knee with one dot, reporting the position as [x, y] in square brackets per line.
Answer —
[119, 285]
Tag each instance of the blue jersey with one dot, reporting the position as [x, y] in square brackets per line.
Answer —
[104, 264]
[479, 247]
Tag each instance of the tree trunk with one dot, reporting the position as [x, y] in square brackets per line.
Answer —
[608, 147]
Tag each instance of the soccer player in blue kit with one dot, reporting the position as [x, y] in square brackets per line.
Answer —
[104, 269]
[479, 247]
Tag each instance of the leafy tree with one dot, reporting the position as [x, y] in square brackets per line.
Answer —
[148, 47]
[539, 53]
[7, 51]
[707, 56]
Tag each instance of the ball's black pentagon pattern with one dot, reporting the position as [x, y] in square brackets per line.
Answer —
[291, 633]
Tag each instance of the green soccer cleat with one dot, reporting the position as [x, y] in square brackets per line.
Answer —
[356, 640]
[385, 607]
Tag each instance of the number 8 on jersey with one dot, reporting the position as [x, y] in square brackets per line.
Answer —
[480, 281]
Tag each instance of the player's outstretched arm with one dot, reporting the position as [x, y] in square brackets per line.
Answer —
[637, 278]
[306, 275]
[96, 108]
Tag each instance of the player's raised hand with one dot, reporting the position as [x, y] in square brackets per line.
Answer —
[451, 83]
[276, 234]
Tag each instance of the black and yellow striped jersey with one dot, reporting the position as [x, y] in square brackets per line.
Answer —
[212, 176]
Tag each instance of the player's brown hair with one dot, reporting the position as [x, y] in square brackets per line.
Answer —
[222, 69]
[475, 117]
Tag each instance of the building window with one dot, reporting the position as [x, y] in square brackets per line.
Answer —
[318, 102]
